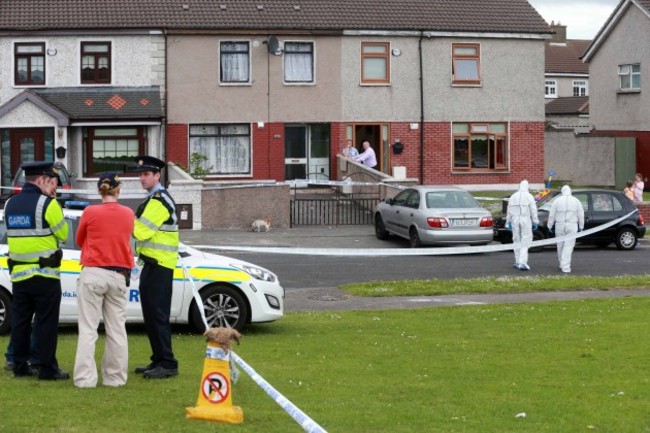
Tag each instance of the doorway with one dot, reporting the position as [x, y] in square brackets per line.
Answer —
[23, 145]
[307, 152]
[377, 135]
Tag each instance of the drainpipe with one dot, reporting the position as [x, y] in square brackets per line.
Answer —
[421, 110]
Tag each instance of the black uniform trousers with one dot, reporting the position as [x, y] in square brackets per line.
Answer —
[39, 296]
[156, 301]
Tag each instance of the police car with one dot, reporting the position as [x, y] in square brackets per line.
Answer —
[234, 292]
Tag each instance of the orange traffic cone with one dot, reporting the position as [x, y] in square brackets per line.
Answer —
[215, 392]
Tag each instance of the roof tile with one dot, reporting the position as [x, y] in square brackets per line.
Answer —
[428, 15]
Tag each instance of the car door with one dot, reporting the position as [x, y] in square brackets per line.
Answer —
[409, 212]
[392, 212]
[604, 207]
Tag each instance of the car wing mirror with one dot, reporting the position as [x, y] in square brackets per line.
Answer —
[388, 200]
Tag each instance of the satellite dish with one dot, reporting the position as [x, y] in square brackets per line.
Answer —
[274, 46]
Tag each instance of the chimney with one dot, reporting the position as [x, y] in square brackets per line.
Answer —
[560, 32]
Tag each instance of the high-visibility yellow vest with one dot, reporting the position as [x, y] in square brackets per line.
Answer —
[156, 229]
[35, 226]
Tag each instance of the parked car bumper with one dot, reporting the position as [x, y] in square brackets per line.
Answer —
[448, 237]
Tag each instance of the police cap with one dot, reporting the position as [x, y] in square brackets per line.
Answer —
[148, 163]
[38, 168]
[109, 178]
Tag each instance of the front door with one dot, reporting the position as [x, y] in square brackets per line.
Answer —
[306, 152]
[24, 145]
[377, 136]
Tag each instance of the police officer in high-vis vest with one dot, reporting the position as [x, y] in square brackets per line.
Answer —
[35, 230]
[156, 236]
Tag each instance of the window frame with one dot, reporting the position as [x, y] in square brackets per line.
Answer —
[579, 85]
[631, 74]
[28, 56]
[458, 57]
[364, 56]
[493, 138]
[219, 127]
[96, 56]
[313, 62]
[249, 80]
[548, 85]
[88, 135]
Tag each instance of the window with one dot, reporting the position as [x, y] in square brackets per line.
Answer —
[298, 62]
[580, 88]
[95, 62]
[375, 63]
[30, 63]
[227, 147]
[112, 149]
[466, 65]
[550, 89]
[480, 146]
[629, 77]
[235, 62]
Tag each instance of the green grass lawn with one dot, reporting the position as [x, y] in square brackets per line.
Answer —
[573, 366]
[506, 284]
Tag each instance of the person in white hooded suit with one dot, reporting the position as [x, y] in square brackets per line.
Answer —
[522, 220]
[568, 217]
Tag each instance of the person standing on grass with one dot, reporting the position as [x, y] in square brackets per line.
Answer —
[35, 229]
[104, 235]
[568, 217]
[522, 211]
[156, 236]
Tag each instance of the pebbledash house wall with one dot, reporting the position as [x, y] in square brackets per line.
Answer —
[525, 156]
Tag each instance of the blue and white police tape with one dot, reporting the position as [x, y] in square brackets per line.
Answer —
[308, 424]
[377, 252]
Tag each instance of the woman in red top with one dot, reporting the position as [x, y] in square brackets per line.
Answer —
[104, 235]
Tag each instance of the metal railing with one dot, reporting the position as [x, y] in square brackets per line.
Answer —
[332, 211]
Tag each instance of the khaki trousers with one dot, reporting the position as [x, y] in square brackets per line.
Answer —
[101, 292]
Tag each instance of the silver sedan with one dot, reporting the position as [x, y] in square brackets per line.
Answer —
[434, 215]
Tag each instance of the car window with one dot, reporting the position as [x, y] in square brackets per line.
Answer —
[400, 199]
[546, 202]
[451, 200]
[413, 200]
[603, 202]
[583, 199]
[73, 224]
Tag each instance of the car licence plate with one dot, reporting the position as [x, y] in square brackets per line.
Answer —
[457, 222]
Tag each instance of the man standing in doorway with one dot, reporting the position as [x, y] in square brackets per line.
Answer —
[156, 235]
[367, 157]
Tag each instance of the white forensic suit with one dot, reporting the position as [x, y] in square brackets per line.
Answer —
[568, 217]
[522, 214]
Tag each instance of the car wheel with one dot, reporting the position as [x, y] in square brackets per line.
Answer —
[626, 239]
[380, 229]
[5, 312]
[224, 307]
[414, 238]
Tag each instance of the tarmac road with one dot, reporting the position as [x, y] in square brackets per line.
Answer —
[311, 281]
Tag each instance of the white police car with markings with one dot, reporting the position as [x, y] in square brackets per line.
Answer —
[234, 292]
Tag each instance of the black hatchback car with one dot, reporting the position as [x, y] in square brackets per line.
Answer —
[601, 206]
